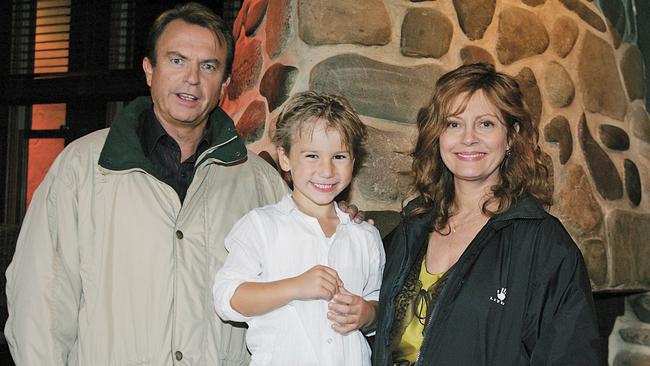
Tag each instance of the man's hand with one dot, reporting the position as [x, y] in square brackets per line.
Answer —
[319, 282]
[350, 312]
[353, 211]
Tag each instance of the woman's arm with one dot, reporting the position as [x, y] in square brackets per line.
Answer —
[562, 329]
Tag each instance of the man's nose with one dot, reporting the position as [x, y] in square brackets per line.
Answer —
[192, 74]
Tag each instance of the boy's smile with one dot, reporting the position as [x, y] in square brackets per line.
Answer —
[320, 165]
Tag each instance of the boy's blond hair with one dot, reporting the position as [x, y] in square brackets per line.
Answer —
[302, 109]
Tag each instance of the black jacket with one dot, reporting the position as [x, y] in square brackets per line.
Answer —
[546, 318]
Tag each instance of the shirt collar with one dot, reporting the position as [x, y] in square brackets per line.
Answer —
[288, 207]
[151, 132]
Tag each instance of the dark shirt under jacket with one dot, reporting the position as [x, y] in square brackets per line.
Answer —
[165, 154]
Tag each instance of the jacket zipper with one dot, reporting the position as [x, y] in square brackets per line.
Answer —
[139, 170]
[201, 159]
[483, 236]
[204, 163]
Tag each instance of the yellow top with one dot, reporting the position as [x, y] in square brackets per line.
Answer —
[409, 346]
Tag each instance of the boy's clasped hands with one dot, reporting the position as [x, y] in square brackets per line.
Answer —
[347, 311]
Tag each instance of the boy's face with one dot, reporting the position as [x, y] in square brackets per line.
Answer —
[320, 165]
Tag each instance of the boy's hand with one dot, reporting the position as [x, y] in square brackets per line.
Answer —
[350, 312]
[319, 282]
[352, 210]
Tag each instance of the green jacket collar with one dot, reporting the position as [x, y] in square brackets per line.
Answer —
[123, 151]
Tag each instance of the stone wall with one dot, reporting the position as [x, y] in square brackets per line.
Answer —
[577, 61]
[629, 343]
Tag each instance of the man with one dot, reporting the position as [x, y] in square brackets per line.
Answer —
[116, 256]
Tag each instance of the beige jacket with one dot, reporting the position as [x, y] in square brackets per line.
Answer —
[111, 269]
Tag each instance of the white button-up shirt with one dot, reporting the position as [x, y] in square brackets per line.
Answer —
[279, 241]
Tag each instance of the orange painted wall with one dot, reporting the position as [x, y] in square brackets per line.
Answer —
[42, 152]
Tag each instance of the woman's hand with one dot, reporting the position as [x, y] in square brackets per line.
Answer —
[355, 214]
[350, 312]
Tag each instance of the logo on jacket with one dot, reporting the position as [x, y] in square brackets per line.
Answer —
[501, 296]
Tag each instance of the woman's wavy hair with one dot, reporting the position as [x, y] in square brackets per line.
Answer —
[522, 171]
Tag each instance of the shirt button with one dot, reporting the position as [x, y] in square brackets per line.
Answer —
[179, 355]
[179, 234]
[329, 340]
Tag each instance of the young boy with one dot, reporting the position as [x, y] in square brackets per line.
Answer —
[302, 275]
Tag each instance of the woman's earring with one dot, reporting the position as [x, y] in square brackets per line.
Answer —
[507, 152]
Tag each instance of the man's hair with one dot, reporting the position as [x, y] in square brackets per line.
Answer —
[196, 14]
[302, 109]
[521, 172]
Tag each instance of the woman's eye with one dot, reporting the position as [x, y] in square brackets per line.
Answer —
[452, 124]
[487, 123]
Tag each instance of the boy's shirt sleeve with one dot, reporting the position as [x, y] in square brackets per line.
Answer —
[243, 264]
[375, 272]
[376, 269]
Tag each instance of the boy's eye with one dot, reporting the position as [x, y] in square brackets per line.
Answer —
[311, 156]
[340, 156]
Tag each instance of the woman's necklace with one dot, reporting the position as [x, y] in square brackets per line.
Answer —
[455, 225]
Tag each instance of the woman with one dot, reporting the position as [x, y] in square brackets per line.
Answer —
[477, 273]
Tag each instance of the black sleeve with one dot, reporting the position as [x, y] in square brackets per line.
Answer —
[561, 326]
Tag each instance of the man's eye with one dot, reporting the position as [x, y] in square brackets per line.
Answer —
[176, 60]
[209, 67]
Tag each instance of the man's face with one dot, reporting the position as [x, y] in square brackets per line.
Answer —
[189, 75]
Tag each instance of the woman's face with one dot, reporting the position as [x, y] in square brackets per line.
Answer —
[474, 143]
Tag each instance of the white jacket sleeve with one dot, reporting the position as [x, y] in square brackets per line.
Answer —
[43, 280]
